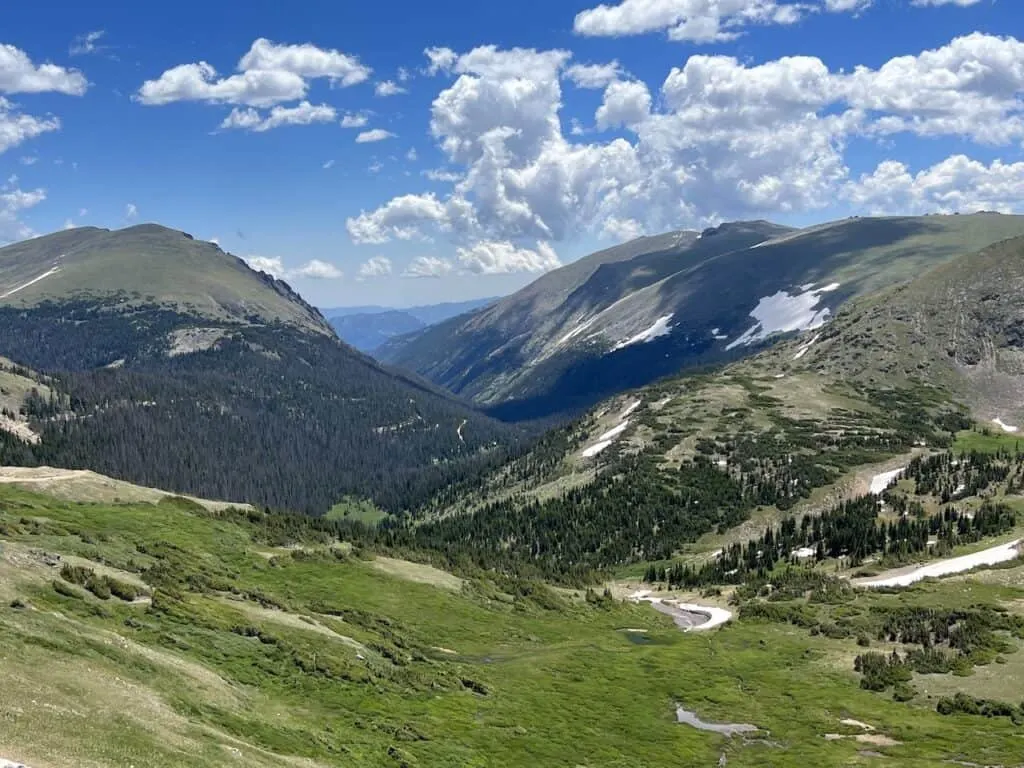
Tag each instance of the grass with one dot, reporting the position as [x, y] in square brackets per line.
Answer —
[317, 657]
[359, 510]
[986, 440]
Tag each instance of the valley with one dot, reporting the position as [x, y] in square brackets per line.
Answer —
[808, 554]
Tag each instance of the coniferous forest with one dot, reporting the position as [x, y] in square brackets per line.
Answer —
[270, 415]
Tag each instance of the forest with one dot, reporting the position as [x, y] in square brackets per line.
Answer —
[271, 415]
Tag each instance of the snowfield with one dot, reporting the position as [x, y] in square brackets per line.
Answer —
[683, 613]
[883, 480]
[783, 313]
[992, 556]
[1004, 427]
[660, 328]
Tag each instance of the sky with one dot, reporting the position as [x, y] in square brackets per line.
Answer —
[406, 152]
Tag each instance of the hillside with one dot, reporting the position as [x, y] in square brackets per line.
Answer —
[649, 473]
[150, 357]
[148, 264]
[625, 317]
[170, 636]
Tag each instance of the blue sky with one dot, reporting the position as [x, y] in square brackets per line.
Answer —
[533, 133]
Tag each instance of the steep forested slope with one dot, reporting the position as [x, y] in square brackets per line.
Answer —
[221, 383]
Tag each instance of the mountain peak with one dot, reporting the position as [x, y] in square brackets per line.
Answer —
[153, 264]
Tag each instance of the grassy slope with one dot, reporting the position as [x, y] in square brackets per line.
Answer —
[147, 261]
[563, 685]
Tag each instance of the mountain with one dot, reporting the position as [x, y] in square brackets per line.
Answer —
[367, 331]
[148, 263]
[626, 316]
[167, 362]
[427, 314]
[367, 328]
[645, 474]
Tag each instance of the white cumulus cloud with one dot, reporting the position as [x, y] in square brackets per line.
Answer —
[19, 75]
[428, 266]
[318, 270]
[312, 270]
[13, 201]
[357, 120]
[718, 139]
[697, 21]
[955, 184]
[268, 74]
[594, 75]
[17, 127]
[378, 266]
[303, 113]
[374, 134]
[503, 257]
[389, 88]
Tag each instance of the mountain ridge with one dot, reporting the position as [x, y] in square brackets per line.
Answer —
[123, 266]
[700, 299]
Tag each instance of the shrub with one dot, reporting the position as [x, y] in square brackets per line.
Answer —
[63, 588]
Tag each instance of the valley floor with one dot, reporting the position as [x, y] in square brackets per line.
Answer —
[246, 643]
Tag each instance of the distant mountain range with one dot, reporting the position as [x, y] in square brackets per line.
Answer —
[368, 327]
[656, 306]
[145, 354]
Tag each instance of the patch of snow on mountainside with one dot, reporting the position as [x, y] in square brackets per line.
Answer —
[577, 330]
[783, 313]
[883, 480]
[629, 409]
[1004, 427]
[33, 281]
[660, 328]
[803, 350]
[992, 556]
[607, 438]
[716, 333]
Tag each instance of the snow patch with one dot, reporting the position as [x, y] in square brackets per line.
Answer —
[660, 328]
[783, 313]
[803, 553]
[679, 610]
[605, 440]
[1005, 427]
[803, 350]
[883, 480]
[992, 556]
[577, 330]
[33, 281]
[614, 432]
[716, 333]
[596, 448]
[630, 408]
